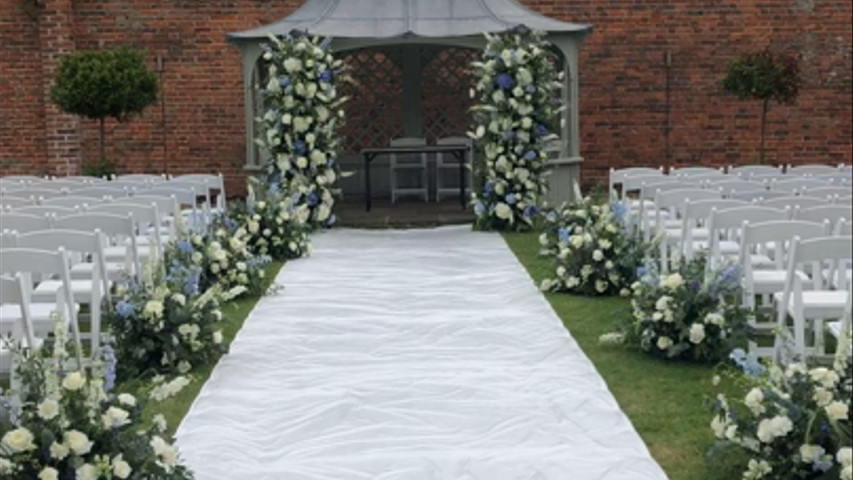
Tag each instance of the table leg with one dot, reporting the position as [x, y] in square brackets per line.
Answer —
[461, 156]
[367, 193]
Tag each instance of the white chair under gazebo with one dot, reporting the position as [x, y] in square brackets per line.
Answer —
[409, 33]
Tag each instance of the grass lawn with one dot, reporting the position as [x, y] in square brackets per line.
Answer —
[233, 315]
[664, 400]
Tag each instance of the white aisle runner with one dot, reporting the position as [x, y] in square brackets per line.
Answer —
[408, 355]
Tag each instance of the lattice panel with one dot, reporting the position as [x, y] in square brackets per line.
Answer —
[375, 109]
[446, 79]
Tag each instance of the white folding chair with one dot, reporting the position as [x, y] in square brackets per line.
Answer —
[213, 182]
[671, 231]
[747, 171]
[694, 171]
[100, 192]
[793, 202]
[757, 195]
[41, 192]
[616, 177]
[818, 304]
[648, 209]
[416, 163]
[184, 197]
[72, 201]
[28, 262]
[634, 183]
[812, 169]
[728, 185]
[24, 222]
[120, 230]
[832, 212]
[840, 179]
[828, 191]
[22, 178]
[797, 184]
[695, 219]
[167, 208]
[147, 218]
[761, 238]
[7, 201]
[48, 210]
[141, 178]
[447, 165]
[725, 231]
[16, 325]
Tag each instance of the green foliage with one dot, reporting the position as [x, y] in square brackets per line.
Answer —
[104, 83]
[762, 76]
[101, 169]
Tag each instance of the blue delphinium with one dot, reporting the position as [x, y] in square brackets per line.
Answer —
[530, 211]
[313, 199]
[510, 199]
[479, 207]
[125, 309]
[299, 147]
[530, 155]
[618, 210]
[504, 81]
[564, 234]
[642, 271]
[185, 246]
[552, 216]
[489, 187]
[284, 81]
[326, 76]
[541, 130]
[109, 357]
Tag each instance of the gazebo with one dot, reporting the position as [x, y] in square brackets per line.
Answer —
[411, 33]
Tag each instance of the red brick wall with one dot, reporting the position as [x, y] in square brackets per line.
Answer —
[622, 78]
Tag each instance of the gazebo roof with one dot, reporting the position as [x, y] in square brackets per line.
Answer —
[408, 18]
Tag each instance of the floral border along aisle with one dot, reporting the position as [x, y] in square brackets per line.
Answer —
[300, 124]
[518, 99]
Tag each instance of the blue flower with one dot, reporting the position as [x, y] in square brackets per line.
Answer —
[748, 363]
[618, 209]
[541, 130]
[274, 188]
[552, 216]
[564, 234]
[530, 211]
[109, 358]
[333, 219]
[479, 208]
[125, 309]
[185, 246]
[504, 81]
[489, 187]
[509, 135]
[530, 155]
[330, 161]
[313, 199]
[284, 80]
[326, 76]
[510, 199]
[642, 271]
[231, 224]
[299, 147]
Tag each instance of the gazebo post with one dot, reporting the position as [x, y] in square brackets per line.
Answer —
[567, 166]
[412, 103]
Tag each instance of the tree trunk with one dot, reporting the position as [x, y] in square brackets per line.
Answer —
[104, 155]
[765, 104]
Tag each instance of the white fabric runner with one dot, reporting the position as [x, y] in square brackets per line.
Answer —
[408, 355]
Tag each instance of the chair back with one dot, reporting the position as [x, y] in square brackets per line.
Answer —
[100, 192]
[796, 184]
[48, 210]
[811, 169]
[833, 213]
[793, 202]
[13, 291]
[73, 201]
[694, 171]
[15, 202]
[828, 191]
[23, 222]
[757, 195]
[115, 227]
[746, 171]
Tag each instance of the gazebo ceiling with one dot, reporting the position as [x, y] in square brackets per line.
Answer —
[408, 18]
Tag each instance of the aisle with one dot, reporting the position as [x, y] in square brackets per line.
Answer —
[408, 355]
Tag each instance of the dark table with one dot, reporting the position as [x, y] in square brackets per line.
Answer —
[458, 151]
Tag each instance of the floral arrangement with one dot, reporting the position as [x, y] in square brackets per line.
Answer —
[64, 426]
[593, 252]
[300, 125]
[518, 100]
[794, 422]
[162, 323]
[221, 257]
[688, 314]
[275, 223]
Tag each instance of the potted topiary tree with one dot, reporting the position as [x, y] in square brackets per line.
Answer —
[98, 84]
[763, 76]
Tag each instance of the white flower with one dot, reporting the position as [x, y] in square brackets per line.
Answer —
[577, 241]
[543, 239]
[611, 338]
[662, 303]
[86, 471]
[826, 377]
[153, 309]
[715, 318]
[300, 124]
[78, 442]
[657, 316]
[179, 298]
[719, 425]
[159, 422]
[217, 337]
[672, 281]
[561, 271]
[197, 257]
[302, 162]
[317, 157]
[808, 452]
[754, 401]
[605, 244]
[597, 256]
[822, 396]
[601, 286]
[625, 292]
[697, 333]
[48, 409]
[845, 456]
[184, 366]
[292, 64]
[58, 450]
[771, 428]
[49, 473]
[121, 469]
[757, 469]
[836, 410]
[19, 440]
[573, 282]
[503, 211]
[608, 265]
[73, 381]
[127, 399]
[115, 417]
[664, 343]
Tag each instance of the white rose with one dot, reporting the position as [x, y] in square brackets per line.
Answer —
[600, 286]
[302, 162]
[809, 452]
[664, 343]
[292, 64]
[153, 309]
[836, 410]
[48, 409]
[662, 303]
[715, 318]
[771, 428]
[845, 456]
[577, 241]
[828, 378]
[121, 469]
[78, 442]
[597, 255]
[58, 450]
[719, 426]
[197, 257]
[503, 211]
[159, 422]
[179, 298]
[73, 381]
[217, 337]
[115, 417]
[19, 440]
[697, 333]
[672, 282]
[49, 473]
[86, 472]
[822, 396]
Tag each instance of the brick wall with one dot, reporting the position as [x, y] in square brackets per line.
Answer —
[622, 76]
